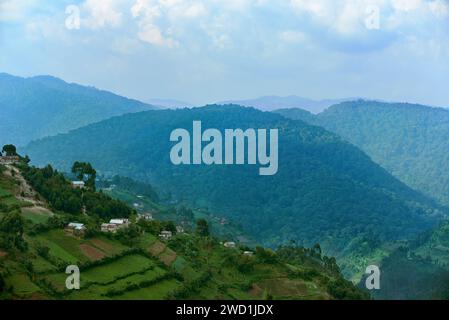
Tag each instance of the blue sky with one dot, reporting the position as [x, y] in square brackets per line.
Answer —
[203, 51]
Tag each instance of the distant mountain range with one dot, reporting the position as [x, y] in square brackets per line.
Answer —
[32, 108]
[170, 103]
[270, 103]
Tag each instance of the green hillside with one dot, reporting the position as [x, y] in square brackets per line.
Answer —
[326, 190]
[134, 263]
[410, 141]
[417, 269]
[32, 108]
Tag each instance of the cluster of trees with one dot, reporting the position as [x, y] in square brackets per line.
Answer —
[85, 172]
[133, 186]
[55, 188]
[311, 256]
[11, 232]
[9, 150]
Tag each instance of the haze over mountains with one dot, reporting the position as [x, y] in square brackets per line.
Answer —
[270, 103]
[32, 108]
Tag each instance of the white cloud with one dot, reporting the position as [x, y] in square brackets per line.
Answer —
[101, 13]
[440, 8]
[15, 10]
[406, 5]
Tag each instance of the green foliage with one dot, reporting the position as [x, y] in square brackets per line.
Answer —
[409, 140]
[202, 228]
[266, 255]
[84, 172]
[343, 289]
[2, 283]
[44, 106]
[9, 150]
[53, 186]
[130, 235]
[133, 186]
[11, 232]
[326, 190]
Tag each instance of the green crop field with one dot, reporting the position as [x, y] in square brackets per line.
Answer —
[118, 268]
[157, 291]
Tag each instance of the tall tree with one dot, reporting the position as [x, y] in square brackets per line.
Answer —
[202, 228]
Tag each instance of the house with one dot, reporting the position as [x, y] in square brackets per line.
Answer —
[121, 223]
[248, 253]
[75, 229]
[146, 216]
[9, 159]
[78, 184]
[229, 244]
[109, 227]
[165, 235]
[114, 224]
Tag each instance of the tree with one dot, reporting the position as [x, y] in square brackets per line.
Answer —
[11, 229]
[202, 228]
[2, 283]
[83, 170]
[9, 150]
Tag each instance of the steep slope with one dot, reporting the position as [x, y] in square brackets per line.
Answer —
[32, 108]
[134, 264]
[418, 269]
[410, 141]
[326, 190]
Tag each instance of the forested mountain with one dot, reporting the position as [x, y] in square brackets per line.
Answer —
[326, 190]
[410, 141]
[32, 108]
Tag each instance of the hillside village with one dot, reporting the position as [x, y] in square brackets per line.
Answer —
[130, 255]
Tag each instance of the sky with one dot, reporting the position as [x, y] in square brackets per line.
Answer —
[203, 51]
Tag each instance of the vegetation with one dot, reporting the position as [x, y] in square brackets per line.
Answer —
[54, 187]
[410, 141]
[133, 264]
[326, 190]
[41, 106]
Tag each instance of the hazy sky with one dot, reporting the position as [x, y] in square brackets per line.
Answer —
[204, 51]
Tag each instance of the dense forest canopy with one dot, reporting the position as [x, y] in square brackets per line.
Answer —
[326, 190]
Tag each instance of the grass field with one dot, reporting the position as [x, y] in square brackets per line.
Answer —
[22, 285]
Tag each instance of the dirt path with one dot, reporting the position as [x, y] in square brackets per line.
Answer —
[25, 191]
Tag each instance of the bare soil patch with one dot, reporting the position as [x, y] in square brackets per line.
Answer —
[92, 253]
[157, 248]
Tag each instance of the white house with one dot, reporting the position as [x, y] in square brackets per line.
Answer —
[109, 227]
[248, 253]
[120, 222]
[75, 229]
[165, 235]
[146, 216]
[78, 184]
[229, 244]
